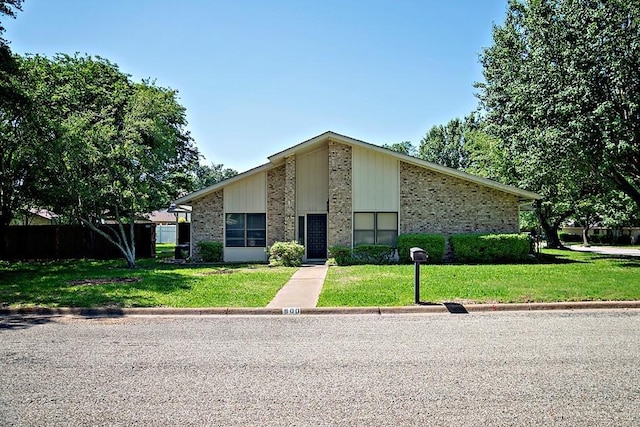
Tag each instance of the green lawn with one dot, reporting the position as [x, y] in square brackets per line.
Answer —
[89, 283]
[561, 276]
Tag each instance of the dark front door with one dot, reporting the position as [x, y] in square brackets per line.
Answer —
[316, 236]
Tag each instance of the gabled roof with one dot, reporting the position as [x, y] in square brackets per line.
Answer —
[317, 141]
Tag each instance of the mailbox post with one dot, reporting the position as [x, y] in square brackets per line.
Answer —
[418, 256]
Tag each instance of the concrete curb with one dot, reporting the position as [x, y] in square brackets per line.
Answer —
[237, 311]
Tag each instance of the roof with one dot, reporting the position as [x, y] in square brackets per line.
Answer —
[277, 159]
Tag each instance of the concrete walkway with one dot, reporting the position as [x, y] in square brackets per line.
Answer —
[606, 250]
[303, 289]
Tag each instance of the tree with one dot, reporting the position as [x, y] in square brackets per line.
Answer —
[447, 144]
[8, 8]
[561, 94]
[14, 165]
[118, 149]
[404, 147]
[206, 175]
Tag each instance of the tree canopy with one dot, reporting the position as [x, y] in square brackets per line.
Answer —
[96, 146]
[561, 95]
[206, 175]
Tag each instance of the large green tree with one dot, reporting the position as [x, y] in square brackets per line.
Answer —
[19, 136]
[561, 94]
[404, 147]
[117, 149]
[447, 145]
[206, 175]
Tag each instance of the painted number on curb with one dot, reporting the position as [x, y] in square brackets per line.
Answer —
[291, 310]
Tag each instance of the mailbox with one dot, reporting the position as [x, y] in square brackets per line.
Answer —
[418, 255]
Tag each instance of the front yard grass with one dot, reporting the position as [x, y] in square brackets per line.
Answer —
[559, 276]
[90, 283]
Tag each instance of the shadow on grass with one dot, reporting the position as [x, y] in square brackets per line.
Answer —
[69, 283]
[620, 260]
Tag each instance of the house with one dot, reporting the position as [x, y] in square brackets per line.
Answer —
[36, 217]
[167, 223]
[336, 190]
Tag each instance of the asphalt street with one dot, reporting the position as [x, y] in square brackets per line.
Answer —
[517, 368]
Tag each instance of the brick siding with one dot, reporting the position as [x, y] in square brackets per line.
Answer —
[432, 202]
[276, 205]
[340, 194]
[207, 221]
[290, 199]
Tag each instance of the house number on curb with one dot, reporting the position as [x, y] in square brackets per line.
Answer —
[291, 310]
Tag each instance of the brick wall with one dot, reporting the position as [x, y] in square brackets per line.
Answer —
[276, 205]
[207, 220]
[432, 202]
[340, 195]
[290, 199]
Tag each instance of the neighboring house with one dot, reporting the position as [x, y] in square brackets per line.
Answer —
[172, 215]
[36, 217]
[167, 220]
[336, 190]
[633, 233]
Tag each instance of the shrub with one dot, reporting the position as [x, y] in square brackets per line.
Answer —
[373, 254]
[288, 254]
[480, 248]
[570, 237]
[342, 255]
[210, 251]
[433, 244]
[623, 240]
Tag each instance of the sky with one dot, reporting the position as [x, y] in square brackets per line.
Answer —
[257, 77]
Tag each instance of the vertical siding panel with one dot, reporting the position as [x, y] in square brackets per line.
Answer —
[312, 186]
[247, 195]
[375, 181]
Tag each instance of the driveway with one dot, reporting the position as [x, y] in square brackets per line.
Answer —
[606, 250]
[542, 368]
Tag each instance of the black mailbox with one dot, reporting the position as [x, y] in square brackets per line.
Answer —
[418, 255]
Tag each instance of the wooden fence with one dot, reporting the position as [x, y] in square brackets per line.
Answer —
[30, 242]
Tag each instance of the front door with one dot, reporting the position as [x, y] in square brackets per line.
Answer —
[316, 236]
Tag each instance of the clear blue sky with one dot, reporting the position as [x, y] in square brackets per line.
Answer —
[257, 76]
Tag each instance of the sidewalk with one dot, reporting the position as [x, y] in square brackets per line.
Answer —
[606, 250]
[303, 289]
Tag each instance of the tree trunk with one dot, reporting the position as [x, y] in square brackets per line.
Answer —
[129, 255]
[585, 236]
[551, 231]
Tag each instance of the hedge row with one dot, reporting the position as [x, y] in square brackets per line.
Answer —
[480, 248]
[466, 248]
[433, 244]
[363, 254]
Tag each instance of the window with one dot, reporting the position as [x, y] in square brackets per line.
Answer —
[301, 230]
[246, 230]
[375, 228]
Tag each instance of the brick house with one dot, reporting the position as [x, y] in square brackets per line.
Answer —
[336, 190]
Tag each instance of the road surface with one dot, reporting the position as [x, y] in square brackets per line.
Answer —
[531, 368]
